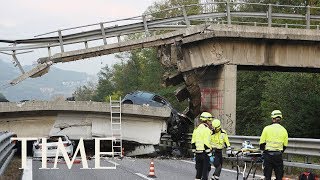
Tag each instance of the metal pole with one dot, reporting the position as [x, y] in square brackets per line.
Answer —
[308, 17]
[228, 12]
[103, 34]
[269, 15]
[60, 41]
[185, 15]
[15, 59]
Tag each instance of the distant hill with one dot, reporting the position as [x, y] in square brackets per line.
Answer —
[57, 82]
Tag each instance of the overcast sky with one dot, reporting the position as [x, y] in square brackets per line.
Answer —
[26, 18]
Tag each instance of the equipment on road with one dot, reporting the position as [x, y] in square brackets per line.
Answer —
[151, 170]
[247, 145]
[247, 154]
[242, 158]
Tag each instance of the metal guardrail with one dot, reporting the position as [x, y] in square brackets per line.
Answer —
[6, 150]
[183, 16]
[306, 147]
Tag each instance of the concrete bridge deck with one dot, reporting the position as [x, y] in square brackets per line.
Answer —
[82, 120]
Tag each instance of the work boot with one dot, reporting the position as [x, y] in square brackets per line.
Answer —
[214, 177]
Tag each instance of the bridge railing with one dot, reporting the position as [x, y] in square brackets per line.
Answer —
[6, 150]
[302, 147]
[256, 14]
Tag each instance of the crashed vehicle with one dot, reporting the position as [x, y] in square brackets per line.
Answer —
[177, 123]
[52, 145]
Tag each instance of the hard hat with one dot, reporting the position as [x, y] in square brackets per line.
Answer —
[216, 123]
[276, 113]
[205, 116]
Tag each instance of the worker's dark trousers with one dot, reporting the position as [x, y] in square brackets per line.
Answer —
[273, 160]
[202, 166]
[217, 162]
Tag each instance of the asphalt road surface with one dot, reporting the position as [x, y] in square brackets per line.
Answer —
[126, 169]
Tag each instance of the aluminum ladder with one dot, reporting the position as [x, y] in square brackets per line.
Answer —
[115, 114]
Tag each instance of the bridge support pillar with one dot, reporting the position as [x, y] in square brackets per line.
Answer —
[218, 94]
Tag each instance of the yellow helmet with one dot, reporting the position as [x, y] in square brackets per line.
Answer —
[205, 116]
[276, 113]
[216, 124]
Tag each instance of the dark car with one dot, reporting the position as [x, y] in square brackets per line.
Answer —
[71, 98]
[142, 97]
[177, 123]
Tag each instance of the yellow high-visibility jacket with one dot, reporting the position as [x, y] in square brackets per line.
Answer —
[275, 137]
[201, 138]
[220, 139]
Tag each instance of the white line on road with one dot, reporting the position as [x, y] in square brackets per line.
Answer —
[116, 164]
[27, 173]
[143, 176]
[228, 170]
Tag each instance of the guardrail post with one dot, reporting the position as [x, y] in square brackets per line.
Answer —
[308, 17]
[145, 23]
[286, 25]
[103, 34]
[60, 41]
[269, 15]
[289, 169]
[185, 15]
[228, 12]
[306, 159]
[317, 27]
[86, 44]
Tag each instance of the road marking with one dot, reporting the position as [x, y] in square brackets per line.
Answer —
[116, 164]
[27, 173]
[228, 170]
[143, 176]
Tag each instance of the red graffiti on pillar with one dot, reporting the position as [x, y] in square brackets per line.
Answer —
[212, 99]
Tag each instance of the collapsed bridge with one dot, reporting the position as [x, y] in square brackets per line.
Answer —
[141, 125]
[206, 53]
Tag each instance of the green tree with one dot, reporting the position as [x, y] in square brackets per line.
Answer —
[297, 95]
[250, 87]
[163, 9]
[141, 70]
[84, 93]
[105, 85]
